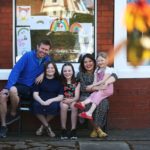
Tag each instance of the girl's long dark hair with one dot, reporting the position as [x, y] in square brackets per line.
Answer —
[56, 75]
[63, 79]
[90, 56]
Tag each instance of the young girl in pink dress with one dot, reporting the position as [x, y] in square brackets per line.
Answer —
[102, 73]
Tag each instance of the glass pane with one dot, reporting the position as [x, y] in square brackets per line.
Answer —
[69, 24]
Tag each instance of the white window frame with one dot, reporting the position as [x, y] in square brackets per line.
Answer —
[4, 73]
[123, 69]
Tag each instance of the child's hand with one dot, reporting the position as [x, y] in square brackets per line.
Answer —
[47, 103]
[43, 103]
[67, 100]
[105, 83]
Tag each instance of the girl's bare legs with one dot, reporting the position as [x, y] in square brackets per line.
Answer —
[91, 110]
[45, 121]
[87, 114]
[86, 101]
[49, 118]
[63, 114]
[81, 105]
[74, 113]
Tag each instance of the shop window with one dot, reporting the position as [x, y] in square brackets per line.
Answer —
[70, 25]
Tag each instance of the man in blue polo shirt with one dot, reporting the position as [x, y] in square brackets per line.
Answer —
[27, 71]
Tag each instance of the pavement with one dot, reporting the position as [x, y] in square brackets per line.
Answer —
[133, 139]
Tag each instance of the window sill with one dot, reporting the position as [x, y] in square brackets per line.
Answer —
[4, 73]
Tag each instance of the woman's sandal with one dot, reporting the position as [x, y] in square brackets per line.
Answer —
[93, 134]
[101, 133]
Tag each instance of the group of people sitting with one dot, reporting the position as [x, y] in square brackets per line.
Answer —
[36, 77]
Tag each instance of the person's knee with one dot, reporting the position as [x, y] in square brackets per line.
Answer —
[13, 91]
[72, 107]
[3, 98]
[63, 106]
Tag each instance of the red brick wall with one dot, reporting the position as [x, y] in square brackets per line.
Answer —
[105, 24]
[130, 104]
[5, 34]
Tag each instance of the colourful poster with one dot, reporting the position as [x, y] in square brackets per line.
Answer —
[23, 15]
[23, 41]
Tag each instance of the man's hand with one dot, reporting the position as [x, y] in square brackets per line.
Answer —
[39, 79]
[4, 92]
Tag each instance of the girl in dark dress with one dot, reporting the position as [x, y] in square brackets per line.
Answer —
[47, 96]
[71, 95]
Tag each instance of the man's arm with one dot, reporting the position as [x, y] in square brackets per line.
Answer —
[15, 73]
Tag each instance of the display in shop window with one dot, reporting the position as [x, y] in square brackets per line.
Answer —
[69, 24]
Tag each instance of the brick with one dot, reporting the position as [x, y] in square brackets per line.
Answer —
[105, 41]
[104, 30]
[107, 14]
